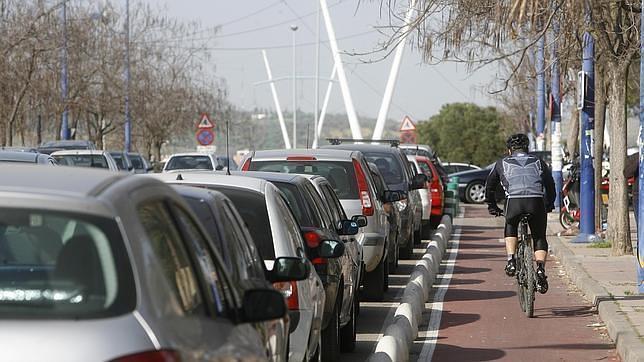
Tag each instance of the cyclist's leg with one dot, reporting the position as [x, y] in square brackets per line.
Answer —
[538, 224]
[512, 213]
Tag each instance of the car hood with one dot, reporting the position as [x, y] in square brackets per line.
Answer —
[471, 174]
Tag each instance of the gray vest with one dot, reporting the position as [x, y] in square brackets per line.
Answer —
[522, 176]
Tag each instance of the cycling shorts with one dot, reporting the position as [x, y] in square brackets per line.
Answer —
[535, 206]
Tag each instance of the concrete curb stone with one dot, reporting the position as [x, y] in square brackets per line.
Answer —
[403, 329]
[629, 346]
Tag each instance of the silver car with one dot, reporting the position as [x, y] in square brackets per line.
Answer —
[100, 266]
[276, 233]
[348, 173]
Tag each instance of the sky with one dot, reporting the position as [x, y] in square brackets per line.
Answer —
[247, 26]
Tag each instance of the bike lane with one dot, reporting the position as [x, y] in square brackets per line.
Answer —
[480, 318]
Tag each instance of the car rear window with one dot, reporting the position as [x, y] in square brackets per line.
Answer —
[59, 265]
[252, 208]
[189, 163]
[388, 166]
[97, 161]
[294, 198]
[340, 174]
[426, 169]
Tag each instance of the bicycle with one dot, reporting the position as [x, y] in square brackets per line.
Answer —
[526, 275]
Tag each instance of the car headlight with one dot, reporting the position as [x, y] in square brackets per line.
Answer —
[401, 205]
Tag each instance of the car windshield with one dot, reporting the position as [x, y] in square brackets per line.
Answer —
[62, 265]
[97, 161]
[137, 162]
[189, 162]
[120, 161]
[388, 166]
[340, 174]
[252, 208]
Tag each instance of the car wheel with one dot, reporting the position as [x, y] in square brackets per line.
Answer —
[475, 192]
[407, 251]
[317, 357]
[331, 337]
[374, 283]
[392, 260]
[427, 230]
[348, 332]
[418, 235]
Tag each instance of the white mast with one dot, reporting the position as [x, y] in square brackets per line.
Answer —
[318, 130]
[278, 108]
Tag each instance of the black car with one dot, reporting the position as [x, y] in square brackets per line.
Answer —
[471, 185]
[306, 204]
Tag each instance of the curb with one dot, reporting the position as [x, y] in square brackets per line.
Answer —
[629, 346]
[403, 329]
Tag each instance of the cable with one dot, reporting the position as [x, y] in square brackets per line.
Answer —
[251, 14]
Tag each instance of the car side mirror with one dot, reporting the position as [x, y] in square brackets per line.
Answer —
[331, 249]
[219, 168]
[261, 305]
[391, 196]
[418, 182]
[361, 220]
[348, 227]
[287, 269]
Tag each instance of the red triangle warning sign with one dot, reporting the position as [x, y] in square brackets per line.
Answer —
[205, 122]
[407, 124]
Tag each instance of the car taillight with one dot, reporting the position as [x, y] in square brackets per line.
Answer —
[312, 239]
[320, 261]
[162, 355]
[289, 291]
[363, 189]
[246, 165]
[435, 186]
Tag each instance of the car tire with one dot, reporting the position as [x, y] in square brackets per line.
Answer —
[427, 230]
[392, 261]
[331, 337]
[317, 356]
[475, 192]
[407, 251]
[348, 332]
[418, 235]
[374, 283]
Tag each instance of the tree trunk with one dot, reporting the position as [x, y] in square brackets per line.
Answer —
[157, 155]
[573, 137]
[598, 152]
[619, 232]
[39, 130]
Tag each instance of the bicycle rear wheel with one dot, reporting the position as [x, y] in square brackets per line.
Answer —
[530, 278]
[520, 273]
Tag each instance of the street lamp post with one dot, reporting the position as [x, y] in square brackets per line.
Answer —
[541, 88]
[294, 29]
[640, 208]
[555, 144]
[64, 129]
[128, 126]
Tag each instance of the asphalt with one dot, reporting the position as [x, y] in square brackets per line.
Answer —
[481, 319]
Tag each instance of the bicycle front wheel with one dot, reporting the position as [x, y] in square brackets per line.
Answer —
[530, 278]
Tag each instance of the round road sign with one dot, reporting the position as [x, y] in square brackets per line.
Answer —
[205, 136]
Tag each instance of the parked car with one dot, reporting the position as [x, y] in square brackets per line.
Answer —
[454, 167]
[230, 236]
[101, 266]
[197, 161]
[471, 185]
[86, 158]
[140, 163]
[122, 161]
[276, 233]
[425, 195]
[316, 225]
[426, 151]
[26, 157]
[393, 166]
[347, 171]
[437, 189]
[61, 145]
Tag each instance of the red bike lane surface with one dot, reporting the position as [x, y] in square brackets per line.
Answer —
[482, 319]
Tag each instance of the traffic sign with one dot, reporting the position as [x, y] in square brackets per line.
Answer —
[205, 136]
[407, 125]
[408, 137]
[205, 122]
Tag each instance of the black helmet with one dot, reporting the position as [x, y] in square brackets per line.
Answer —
[518, 141]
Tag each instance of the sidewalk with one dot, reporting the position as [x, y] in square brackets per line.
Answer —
[610, 283]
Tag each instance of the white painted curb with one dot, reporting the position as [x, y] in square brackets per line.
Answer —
[403, 329]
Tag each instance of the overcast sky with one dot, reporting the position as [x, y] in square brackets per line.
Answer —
[256, 24]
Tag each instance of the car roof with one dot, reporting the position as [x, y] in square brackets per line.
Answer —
[198, 192]
[66, 143]
[78, 152]
[191, 154]
[318, 153]
[273, 176]
[364, 147]
[73, 181]
[19, 156]
[210, 178]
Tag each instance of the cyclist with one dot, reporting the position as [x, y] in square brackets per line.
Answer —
[529, 189]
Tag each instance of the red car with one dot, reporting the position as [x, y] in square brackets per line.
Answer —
[436, 188]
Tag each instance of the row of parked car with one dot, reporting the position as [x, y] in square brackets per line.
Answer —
[267, 263]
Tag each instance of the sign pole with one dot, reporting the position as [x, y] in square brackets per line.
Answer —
[640, 209]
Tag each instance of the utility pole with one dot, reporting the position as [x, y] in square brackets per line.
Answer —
[64, 129]
[294, 29]
[640, 209]
[317, 77]
[587, 125]
[555, 147]
[541, 91]
[128, 126]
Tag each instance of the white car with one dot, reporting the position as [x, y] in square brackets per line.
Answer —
[276, 233]
[197, 161]
[425, 194]
[454, 167]
[86, 158]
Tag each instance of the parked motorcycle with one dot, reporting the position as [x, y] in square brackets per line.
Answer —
[570, 214]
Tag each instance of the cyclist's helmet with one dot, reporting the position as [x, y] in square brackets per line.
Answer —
[518, 141]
